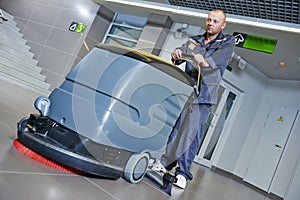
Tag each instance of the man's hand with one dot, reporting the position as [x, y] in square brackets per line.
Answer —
[199, 60]
[176, 54]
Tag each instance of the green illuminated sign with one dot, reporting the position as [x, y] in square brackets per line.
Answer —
[254, 42]
[77, 27]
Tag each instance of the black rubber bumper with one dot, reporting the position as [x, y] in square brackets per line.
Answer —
[69, 149]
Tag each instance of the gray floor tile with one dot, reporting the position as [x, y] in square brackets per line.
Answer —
[22, 177]
[44, 186]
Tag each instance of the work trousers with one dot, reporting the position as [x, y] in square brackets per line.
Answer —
[184, 141]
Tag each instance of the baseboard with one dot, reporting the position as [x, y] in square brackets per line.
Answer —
[240, 180]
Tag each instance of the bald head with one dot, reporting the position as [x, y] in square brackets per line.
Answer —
[220, 13]
[215, 22]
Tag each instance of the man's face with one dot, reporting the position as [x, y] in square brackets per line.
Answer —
[215, 22]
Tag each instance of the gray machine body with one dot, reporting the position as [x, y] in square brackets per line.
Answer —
[129, 101]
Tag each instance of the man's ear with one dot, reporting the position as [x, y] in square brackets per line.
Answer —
[223, 25]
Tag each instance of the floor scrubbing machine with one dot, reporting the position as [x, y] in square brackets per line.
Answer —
[112, 115]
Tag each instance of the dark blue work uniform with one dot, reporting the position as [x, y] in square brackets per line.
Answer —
[184, 141]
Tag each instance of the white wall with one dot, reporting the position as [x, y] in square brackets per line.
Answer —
[277, 92]
[288, 163]
[293, 192]
[252, 85]
[282, 92]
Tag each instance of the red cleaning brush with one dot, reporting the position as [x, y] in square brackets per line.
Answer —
[41, 159]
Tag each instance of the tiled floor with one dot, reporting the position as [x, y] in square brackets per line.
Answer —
[23, 178]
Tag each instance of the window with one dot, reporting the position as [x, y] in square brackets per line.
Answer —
[125, 30]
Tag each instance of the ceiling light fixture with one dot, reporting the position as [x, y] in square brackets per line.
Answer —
[83, 11]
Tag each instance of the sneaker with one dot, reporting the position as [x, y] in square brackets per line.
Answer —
[180, 181]
[158, 167]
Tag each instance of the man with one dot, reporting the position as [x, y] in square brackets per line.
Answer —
[210, 53]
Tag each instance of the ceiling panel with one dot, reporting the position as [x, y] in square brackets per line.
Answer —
[282, 10]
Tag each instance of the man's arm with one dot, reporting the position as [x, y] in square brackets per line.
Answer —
[184, 53]
[221, 57]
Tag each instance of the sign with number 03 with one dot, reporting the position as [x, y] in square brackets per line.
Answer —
[77, 27]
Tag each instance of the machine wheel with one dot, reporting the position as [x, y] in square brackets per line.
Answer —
[22, 124]
[136, 167]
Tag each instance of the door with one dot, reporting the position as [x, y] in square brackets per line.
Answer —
[270, 146]
[215, 124]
